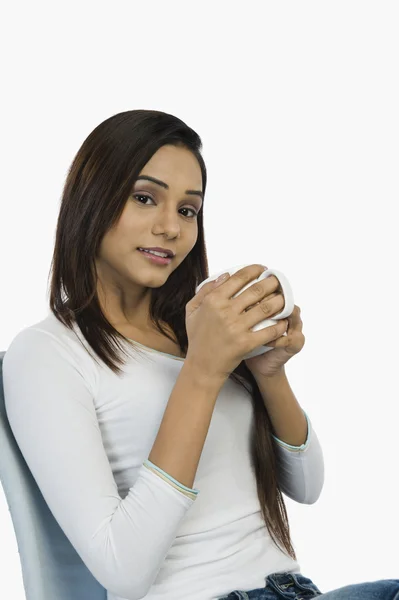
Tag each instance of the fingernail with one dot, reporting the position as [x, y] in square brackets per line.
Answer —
[221, 277]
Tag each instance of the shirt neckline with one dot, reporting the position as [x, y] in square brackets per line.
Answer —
[157, 351]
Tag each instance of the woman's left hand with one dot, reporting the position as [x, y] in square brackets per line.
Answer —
[285, 347]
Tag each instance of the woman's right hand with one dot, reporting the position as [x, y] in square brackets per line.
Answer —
[219, 326]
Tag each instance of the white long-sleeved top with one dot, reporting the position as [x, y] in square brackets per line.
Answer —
[86, 434]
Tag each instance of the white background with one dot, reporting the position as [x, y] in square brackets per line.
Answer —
[297, 106]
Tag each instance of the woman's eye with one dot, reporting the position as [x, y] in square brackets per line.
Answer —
[142, 196]
[149, 198]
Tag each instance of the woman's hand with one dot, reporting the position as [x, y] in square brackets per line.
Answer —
[285, 347]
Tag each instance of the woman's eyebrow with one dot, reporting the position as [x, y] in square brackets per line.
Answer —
[165, 185]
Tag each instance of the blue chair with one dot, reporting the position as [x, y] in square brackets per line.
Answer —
[51, 567]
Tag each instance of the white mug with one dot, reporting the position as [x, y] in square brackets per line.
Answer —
[286, 291]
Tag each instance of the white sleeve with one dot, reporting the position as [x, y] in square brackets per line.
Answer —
[301, 468]
[49, 405]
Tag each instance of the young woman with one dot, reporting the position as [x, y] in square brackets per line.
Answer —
[162, 453]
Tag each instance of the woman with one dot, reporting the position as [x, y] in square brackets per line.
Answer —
[116, 451]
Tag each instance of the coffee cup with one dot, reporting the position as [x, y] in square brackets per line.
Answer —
[285, 289]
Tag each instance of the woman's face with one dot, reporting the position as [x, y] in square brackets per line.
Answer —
[153, 216]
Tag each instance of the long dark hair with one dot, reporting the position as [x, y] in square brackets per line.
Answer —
[96, 189]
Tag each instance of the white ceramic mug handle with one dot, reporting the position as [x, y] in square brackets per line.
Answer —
[286, 290]
[286, 312]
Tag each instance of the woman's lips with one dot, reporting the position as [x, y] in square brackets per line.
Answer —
[158, 260]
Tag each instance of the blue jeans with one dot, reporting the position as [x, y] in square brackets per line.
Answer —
[294, 586]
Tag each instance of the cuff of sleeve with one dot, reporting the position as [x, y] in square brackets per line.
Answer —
[296, 448]
[186, 490]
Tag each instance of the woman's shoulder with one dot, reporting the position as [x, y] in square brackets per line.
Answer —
[46, 330]
[49, 340]
[50, 349]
